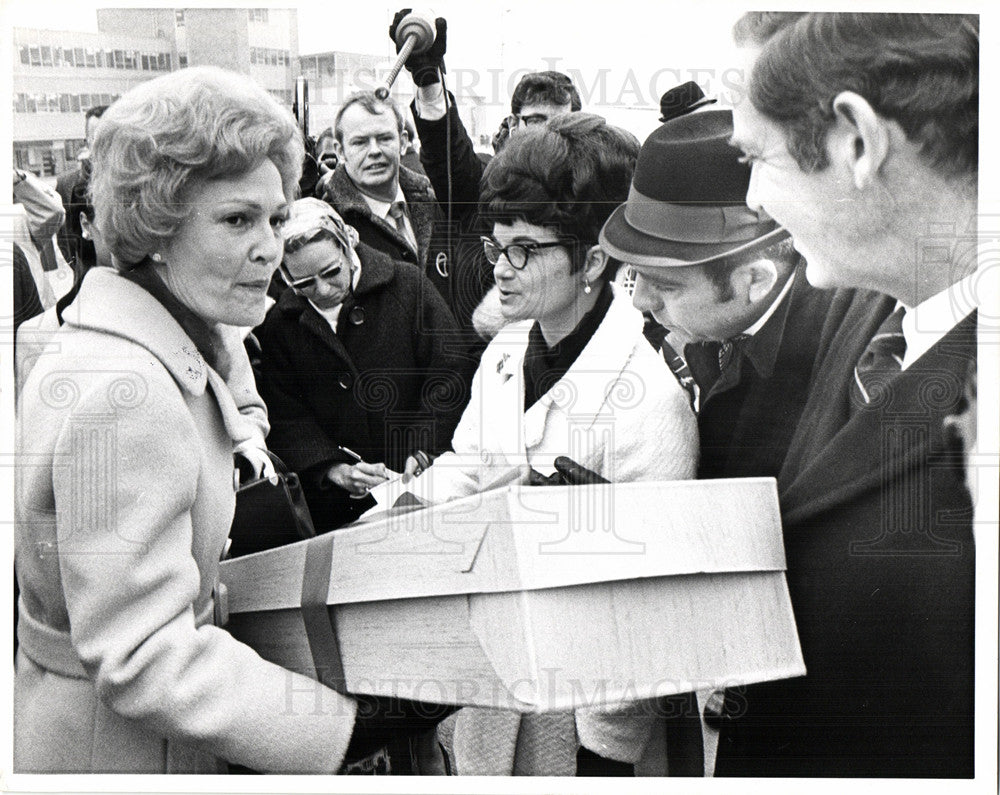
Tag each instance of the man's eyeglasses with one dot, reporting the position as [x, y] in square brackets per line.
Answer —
[309, 282]
[516, 253]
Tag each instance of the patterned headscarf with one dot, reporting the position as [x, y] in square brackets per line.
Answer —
[310, 215]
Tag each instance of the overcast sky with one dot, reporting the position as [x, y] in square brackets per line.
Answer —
[622, 61]
[623, 54]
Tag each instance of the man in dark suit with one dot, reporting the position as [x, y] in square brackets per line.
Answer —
[740, 301]
[862, 130]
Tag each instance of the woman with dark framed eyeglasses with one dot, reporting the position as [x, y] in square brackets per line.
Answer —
[359, 365]
[571, 374]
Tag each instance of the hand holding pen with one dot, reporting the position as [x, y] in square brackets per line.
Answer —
[358, 478]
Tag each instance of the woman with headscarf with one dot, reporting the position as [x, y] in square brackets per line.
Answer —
[359, 366]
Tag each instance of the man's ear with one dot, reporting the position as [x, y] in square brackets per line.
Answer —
[860, 137]
[755, 279]
[338, 147]
[404, 139]
[595, 264]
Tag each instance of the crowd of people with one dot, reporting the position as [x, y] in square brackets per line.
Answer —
[790, 282]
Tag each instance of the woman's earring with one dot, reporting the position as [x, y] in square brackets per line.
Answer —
[156, 256]
[85, 234]
[586, 287]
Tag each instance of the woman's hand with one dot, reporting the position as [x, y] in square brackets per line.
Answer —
[257, 457]
[357, 479]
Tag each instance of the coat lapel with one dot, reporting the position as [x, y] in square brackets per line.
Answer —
[506, 419]
[422, 206]
[317, 325]
[142, 319]
[891, 438]
[598, 371]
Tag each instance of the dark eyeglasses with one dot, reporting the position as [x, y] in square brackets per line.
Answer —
[516, 253]
[309, 282]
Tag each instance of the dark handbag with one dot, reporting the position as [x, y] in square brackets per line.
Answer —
[270, 512]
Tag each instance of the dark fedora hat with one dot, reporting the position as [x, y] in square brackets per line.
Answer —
[687, 204]
[682, 99]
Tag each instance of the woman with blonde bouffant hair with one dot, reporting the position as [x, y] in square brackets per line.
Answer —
[126, 439]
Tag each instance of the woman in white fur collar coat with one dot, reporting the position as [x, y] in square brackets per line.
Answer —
[571, 374]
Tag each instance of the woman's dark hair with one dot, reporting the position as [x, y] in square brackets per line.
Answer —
[568, 175]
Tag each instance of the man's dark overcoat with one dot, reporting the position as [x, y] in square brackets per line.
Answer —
[746, 420]
[881, 571]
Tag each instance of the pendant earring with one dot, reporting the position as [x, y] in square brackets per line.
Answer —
[586, 288]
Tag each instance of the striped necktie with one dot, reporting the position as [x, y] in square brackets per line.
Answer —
[882, 359]
[397, 211]
[681, 372]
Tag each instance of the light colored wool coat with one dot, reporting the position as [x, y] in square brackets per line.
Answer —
[125, 498]
[618, 411]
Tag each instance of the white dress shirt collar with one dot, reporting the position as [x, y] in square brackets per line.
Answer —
[925, 324]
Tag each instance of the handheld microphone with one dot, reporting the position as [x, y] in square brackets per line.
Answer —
[416, 32]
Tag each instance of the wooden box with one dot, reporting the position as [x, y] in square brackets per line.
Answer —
[534, 599]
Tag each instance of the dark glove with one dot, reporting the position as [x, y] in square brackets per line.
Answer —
[536, 478]
[568, 473]
[380, 719]
[575, 475]
[424, 68]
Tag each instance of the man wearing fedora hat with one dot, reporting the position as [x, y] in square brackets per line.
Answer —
[728, 287]
[683, 99]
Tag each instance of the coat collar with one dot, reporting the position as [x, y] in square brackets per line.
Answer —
[586, 387]
[343, 194]
[377, 272]
[110, 303]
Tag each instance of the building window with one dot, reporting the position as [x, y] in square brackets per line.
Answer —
[258, 15]
[182, 60]
[25, 55]
[20, 103]
[46, 56]
[179, 18]
[36, 56]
